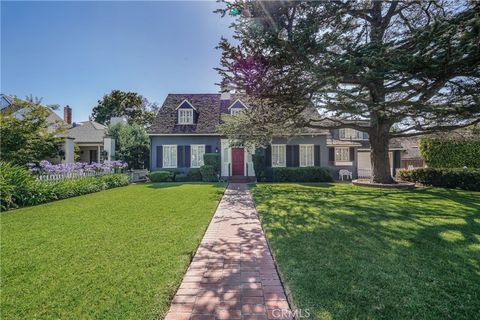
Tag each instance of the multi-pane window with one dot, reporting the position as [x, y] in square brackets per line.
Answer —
[342, 154]
[170, 156]
[197, 152]
[235, 111]
[278, 155]
[306, 155]
[185, 116]
[349, 133]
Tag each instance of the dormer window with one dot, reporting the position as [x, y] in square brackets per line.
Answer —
[235, 111]
[185, 116]
[237, 107]
[186, 112]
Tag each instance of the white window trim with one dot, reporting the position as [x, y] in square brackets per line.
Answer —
[185, 100]
[305, 146]
[174, 146]
[192, 146]
[343, 162]
[190, 116]
[238, 100]
[284, 155]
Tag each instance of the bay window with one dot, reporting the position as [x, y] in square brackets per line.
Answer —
[342, 154]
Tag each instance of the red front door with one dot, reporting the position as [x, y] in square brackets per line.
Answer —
[237, 161]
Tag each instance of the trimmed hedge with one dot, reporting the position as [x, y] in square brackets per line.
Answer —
[259, 166]
[450, 153]
[212, 159]
[304, 174]
[162, 176]
[209, 173]
[18, 188]
[194, 174]
[467, 179]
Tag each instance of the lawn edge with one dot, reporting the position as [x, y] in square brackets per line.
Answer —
[225, 186]
[286, 289]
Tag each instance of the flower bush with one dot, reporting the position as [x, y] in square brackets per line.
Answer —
[45, 167]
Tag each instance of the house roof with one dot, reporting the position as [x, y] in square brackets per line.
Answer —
[208, 108]
[88, 132]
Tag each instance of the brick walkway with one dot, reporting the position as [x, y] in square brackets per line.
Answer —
[232, 275]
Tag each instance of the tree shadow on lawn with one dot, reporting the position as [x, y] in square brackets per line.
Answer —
[355, 252]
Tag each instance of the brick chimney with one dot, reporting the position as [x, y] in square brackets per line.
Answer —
[67, 114]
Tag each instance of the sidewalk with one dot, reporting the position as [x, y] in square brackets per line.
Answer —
[232, 275]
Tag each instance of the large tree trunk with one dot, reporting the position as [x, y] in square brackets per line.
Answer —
[379, 138]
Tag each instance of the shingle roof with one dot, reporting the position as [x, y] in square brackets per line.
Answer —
[207, 105]
[88, 132]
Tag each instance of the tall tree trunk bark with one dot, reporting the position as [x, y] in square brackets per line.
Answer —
[379, 139]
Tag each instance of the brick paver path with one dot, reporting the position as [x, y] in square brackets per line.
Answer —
[232, 275]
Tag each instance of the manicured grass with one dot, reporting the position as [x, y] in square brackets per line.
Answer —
[116, 254]
[349, 252]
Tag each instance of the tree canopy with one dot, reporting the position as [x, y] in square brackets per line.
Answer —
[131, 105]
[27, 136]
[131, 144]
[389, 68]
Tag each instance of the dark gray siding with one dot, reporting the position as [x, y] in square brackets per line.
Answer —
[320, 141]
[156, 141]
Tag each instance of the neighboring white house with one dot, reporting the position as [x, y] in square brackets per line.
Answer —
[90, 136]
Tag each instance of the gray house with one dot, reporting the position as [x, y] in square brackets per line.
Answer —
[185, 129]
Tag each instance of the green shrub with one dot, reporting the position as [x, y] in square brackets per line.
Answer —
[194, 174]
[212, 159]
[450, 153]
[162, 176]
[17, 186]
[259, 166]
[467, 179]
[182, 178]
[304, 174]
[208, 173]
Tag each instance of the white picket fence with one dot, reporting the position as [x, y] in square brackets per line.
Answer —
[70, 175]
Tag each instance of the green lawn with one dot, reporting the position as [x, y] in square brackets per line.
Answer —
[349, 252]
[116, 254]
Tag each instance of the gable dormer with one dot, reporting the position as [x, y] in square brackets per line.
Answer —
[186, 113]
[236, 107]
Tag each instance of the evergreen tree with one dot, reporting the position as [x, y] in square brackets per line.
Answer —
[389, 68]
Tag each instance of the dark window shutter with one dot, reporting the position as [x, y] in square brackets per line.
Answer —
[195, 116]
[331, 154]
[352, 153]
[289, 156]
[316, 156]
[187, 157]
[180, 156]
[268, 156]
[208, 149]
[296, 155]
[159, 156]
[176, 116]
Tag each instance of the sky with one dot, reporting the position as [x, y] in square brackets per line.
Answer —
[75, 52]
